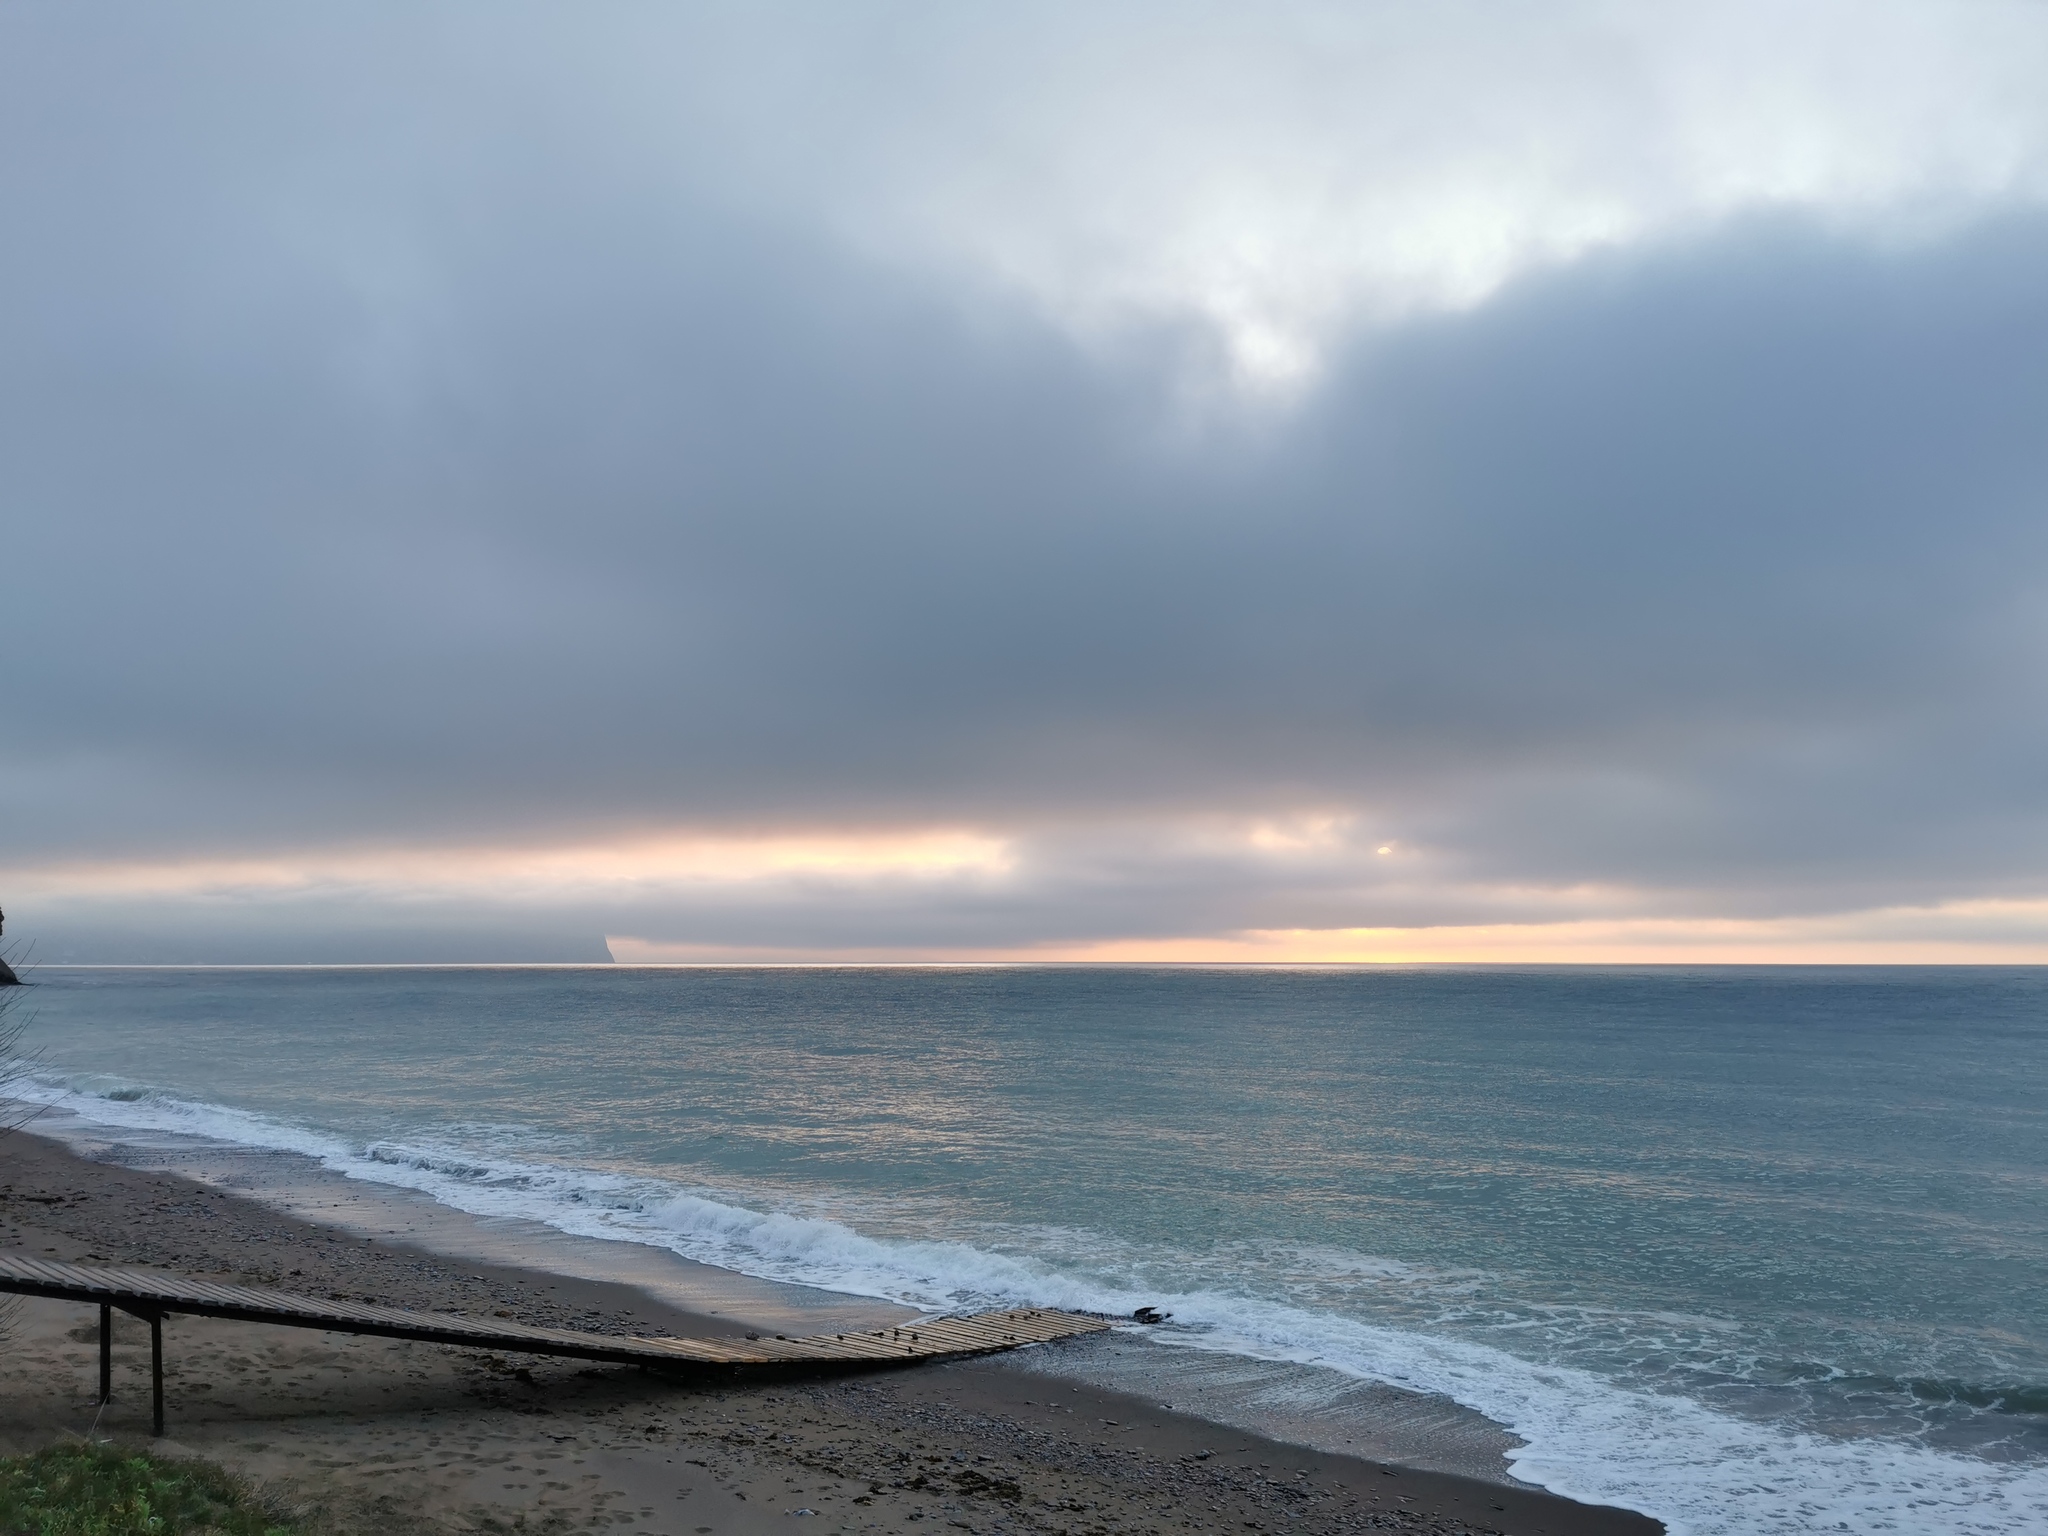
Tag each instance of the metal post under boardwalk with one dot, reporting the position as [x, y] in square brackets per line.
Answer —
[106, 1353]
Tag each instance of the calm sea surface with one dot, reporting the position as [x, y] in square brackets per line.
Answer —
[1751, 1250]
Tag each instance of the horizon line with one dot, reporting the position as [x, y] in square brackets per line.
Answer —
[1011, 964]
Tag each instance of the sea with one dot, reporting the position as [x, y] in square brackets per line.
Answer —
[1749, 1250]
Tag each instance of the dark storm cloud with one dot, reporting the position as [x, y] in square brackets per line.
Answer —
[387, 465]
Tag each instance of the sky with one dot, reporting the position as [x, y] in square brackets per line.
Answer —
[890, 481]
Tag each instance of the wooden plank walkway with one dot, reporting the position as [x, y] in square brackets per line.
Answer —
[152, 1295]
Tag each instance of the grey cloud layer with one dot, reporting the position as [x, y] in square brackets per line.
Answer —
[385, 464]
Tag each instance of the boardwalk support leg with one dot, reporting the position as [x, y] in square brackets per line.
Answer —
[156, 1371]
[106, 1353]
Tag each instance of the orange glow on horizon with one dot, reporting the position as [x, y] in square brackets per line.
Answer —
[621, 883]
[1893, 936]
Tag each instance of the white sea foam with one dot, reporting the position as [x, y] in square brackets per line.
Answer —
[1703, 1471]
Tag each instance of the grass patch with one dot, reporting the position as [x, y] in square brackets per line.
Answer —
[101, 1490]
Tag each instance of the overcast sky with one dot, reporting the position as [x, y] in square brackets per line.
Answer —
[922, 480]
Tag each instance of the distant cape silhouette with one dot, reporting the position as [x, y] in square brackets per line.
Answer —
[7, 976]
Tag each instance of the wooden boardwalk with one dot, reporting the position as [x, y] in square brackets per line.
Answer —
[153, 1296]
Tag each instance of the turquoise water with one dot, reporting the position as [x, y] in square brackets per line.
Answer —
[1751, 1250]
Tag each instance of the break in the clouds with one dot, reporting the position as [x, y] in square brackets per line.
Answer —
[896, 480]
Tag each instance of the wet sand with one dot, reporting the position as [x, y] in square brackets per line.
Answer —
[402, 1436]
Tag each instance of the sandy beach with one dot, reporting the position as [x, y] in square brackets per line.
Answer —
[367, 1433]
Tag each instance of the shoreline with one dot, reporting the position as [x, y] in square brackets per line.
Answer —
[296, 1185]
[1291, 1401]
[344, 1420]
